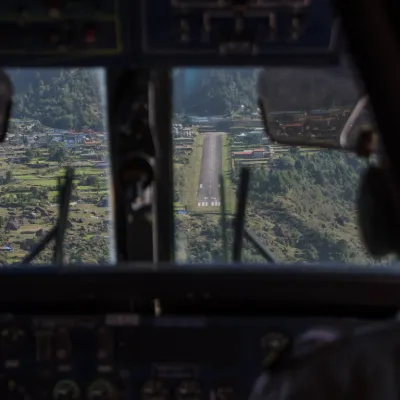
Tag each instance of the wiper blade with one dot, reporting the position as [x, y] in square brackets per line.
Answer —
[239, 223]
[262, 249]
[240, 214]
[65, 198]
[58, 231]
[223, 219]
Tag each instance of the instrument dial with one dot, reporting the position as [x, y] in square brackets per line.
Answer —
[105, 344]
[188, 390]
[154, 390]
[66, 390]
[101, 390]
[12, 343]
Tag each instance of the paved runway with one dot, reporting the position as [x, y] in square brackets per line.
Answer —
[211, 166]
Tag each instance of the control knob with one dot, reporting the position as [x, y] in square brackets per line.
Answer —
[62, 345]
[188, 390]
[12, 343]
[105, 344]
[154, 390]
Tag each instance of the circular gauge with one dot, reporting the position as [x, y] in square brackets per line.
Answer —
[225, 393]
[188, 390]
[12, 390]
[154, 390]
[66, 390]
[101, 390]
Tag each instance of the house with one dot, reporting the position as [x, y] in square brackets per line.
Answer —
[88, 156]
[182, 149]
[242, 154]
[187, 132]
[269, 151]
[101, 165]
[74, 138]
[18, 160]
[258, 153]
[6, 248]
[93, 143]
[56, 137]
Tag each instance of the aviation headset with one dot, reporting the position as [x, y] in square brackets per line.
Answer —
[378, 214]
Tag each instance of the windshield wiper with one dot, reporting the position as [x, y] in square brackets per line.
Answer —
[240, 231]
[58, 231]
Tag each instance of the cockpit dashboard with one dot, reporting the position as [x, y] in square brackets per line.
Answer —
[170, 333]
[166, 332]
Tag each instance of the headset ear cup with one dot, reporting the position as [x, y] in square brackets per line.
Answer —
[376, 221]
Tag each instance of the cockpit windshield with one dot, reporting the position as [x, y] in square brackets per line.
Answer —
[58, 120]
[302, 201]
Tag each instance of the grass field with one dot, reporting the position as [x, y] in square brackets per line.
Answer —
[192, 174]
[227, 174]
[25, 210]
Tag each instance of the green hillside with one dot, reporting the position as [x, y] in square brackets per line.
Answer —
[60, 98]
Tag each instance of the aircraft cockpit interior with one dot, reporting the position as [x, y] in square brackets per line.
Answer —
[199, 199]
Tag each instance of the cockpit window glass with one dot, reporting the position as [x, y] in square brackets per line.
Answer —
[58, 120]
[302, 202]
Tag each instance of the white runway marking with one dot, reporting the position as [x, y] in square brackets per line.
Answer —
[212, 204]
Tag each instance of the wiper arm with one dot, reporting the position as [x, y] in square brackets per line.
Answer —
[223, 219]
[262, 249]
[239, 223]
[40, 246]
[58, 231]
[65, 198]
[240, 214]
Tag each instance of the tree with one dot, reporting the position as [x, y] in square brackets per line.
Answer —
[9, 176]
[58, 153]
[185, 120]
[29, 154]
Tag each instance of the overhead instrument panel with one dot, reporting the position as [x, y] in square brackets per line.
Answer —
[167, 32]
[56, 32]
[201, 32]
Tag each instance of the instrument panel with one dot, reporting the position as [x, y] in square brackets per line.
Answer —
[125, 356]
[63, 29]
[170, 32]
[248, 28]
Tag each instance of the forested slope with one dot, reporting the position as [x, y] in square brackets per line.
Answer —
[61, 98]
